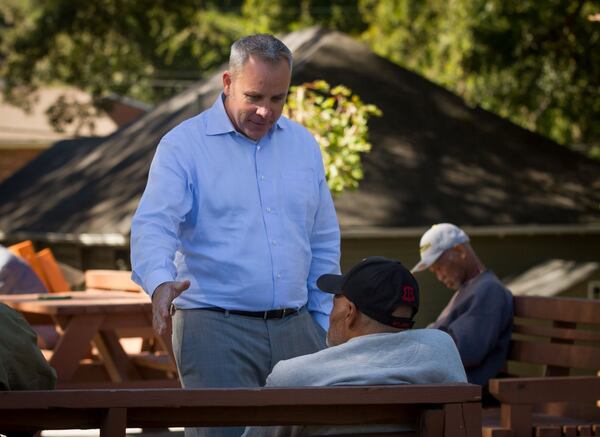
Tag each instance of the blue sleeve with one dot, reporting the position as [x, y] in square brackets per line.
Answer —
[325, 247]
[155, 225]
[477, 330]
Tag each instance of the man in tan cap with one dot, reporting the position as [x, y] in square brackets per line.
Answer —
[479, 314]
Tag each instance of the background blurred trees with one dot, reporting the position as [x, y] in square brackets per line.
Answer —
[536, 62]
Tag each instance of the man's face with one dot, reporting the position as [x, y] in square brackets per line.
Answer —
[255, 95]
[448, 268]
[336, 334]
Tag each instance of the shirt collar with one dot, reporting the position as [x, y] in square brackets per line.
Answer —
[218, 122]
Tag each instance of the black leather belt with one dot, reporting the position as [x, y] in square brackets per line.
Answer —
[271, 314]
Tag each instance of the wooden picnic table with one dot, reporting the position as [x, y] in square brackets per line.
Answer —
[95, 319]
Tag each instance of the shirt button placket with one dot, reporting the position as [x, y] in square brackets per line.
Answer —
[267, 197]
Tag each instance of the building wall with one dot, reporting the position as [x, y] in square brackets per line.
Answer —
[505, 255]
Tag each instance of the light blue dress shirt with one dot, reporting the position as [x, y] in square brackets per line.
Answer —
[250, 224]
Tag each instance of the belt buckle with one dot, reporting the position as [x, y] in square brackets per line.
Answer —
[283, 312]
[265, 315]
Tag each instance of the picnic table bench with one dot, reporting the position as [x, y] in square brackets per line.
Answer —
[555, 342]
[450, 410]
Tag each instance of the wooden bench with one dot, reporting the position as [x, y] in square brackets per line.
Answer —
[110, 280]
[152, 354]
[450, 410]
[553, 361]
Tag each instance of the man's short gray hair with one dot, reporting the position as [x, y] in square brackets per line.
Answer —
[262, 45]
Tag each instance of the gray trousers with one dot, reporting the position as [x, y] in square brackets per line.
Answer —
[214, 349]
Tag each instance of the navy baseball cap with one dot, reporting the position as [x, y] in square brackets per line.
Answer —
[377, 286]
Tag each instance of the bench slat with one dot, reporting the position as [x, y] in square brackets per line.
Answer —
[110, 280]
[563, 309]
[376, 395]
[555, 354]
[112, 410]
[546, 389]
[564, 334]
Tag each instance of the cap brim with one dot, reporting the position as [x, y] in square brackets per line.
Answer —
[330, 283]
[426, 262]
[419, 267]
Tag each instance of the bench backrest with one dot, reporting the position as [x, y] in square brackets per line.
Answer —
[556, 332]
[110, 280]
[52, 272]
[433, 409]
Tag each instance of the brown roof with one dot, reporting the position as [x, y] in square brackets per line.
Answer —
[434, 159]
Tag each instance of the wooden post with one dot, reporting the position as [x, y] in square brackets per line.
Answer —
[454, 421]
[114, 423]
[432, 423]
[516, 417]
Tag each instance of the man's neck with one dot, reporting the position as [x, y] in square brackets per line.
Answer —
[476, 270]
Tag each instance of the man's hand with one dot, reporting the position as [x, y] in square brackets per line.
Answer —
[161, 303]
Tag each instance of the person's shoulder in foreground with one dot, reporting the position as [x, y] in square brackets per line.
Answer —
[22, 364]
[371, 341]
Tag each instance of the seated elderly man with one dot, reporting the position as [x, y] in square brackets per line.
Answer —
[479, 314]
[370, 342]
[16, 276]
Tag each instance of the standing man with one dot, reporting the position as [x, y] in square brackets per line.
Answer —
[235, 226]
[479, 314]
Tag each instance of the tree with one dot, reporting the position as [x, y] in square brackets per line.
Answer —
[136, 48]
[539, 64]
[535, 62]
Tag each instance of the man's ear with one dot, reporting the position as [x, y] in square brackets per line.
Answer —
[227, 83]
[461, 251]
[351, 315]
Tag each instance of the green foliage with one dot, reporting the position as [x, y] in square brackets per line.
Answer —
[285, 15]
[130, 47]
[539, 65]
[338, 120]
[535, 62]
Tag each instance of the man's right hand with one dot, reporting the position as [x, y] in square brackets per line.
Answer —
[162, 298]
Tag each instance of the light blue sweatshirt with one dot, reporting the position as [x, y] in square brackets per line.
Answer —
[420, 356]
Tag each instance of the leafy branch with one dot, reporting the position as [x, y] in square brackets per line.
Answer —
[338, 120]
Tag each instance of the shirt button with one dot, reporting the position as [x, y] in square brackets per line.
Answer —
[262, 177]
[268, 209]
[257, 147]
[274, 242]
[278, 275]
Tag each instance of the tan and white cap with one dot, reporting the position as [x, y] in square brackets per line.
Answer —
[438, 239]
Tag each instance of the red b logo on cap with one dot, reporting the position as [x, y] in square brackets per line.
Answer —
[409, 294]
